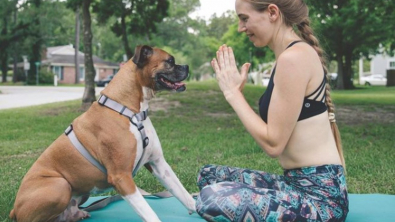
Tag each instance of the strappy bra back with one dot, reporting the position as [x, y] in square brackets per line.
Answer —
[313, 104]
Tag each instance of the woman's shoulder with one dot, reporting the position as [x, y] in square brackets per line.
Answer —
[300, 58]
[298, 52]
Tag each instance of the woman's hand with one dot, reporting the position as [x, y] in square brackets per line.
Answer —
[228, 76]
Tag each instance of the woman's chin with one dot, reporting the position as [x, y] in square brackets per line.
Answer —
[258, 44]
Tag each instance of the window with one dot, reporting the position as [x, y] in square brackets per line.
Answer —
[392, 64]
[58, 70]
[82, 73]
[114, 71]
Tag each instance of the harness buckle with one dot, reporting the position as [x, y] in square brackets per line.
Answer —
[101, 101]
[146, 142]
[68, 130]
[134, 120]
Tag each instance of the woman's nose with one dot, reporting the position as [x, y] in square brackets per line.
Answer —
[241, 27]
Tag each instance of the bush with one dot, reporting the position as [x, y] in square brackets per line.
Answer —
[45, 77]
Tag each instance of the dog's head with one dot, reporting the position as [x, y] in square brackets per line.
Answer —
[159, 70]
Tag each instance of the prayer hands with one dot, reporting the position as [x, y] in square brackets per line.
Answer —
[228, 76]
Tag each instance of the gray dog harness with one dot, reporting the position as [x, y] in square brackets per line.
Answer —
[135, 119]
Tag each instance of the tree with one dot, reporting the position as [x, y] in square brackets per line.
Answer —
[136, 17]
[10, 32]
[352, 28]
[196, 39]
[89, 94]
[26, 35]
[244, 50]
[77, 43]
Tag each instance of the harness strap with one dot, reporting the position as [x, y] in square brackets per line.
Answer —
[77, 144]
[135, 118]
[121, 109]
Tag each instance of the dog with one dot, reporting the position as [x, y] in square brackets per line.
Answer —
[118, 138]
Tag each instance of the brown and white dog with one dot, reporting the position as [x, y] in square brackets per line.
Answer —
[61, 178]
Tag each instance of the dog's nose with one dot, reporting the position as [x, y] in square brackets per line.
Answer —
[185, 67]
[182, 68]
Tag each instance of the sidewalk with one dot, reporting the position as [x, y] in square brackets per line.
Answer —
[22, 96]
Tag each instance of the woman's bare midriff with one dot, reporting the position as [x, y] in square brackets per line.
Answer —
[311, 144]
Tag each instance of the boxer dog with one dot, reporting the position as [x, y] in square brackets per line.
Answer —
[116, 137]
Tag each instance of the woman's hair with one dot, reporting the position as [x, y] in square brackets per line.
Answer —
[295, 13]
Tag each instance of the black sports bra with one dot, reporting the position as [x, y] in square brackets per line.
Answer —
[313, 104]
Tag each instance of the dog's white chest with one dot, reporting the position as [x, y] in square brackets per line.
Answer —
[144, 154]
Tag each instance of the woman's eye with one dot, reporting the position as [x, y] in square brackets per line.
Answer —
[243, 19]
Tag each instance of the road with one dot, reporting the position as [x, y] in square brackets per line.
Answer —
[22, 96]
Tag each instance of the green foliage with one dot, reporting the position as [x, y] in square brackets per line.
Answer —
[349, 29]
[46, 77]
[134, 17]
[354, 25]
[244, 50]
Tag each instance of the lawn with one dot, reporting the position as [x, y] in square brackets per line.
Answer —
[198, 127]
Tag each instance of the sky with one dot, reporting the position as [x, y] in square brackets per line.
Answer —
[209, 7]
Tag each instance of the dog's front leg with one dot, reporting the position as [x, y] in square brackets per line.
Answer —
[126, 187]
[168, 178]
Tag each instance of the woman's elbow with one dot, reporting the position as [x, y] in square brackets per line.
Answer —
[272, 150]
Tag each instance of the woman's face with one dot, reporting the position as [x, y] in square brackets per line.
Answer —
[255, 24]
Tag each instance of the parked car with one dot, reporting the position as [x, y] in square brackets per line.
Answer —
[105, 81]
[373, 80]
[265, 80]
[333, 76]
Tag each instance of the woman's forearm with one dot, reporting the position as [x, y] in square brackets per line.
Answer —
[253, 123]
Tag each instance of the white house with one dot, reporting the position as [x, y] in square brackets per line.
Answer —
[379, 64]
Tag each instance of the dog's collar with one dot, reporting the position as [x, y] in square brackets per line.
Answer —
[135, 118]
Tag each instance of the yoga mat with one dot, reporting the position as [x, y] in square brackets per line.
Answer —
[363, 208]
[167, 209]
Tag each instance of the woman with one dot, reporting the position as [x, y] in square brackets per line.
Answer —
[296, 125]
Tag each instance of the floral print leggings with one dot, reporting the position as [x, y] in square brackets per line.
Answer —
[304, 194]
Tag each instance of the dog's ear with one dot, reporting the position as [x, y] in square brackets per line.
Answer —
[141, 55]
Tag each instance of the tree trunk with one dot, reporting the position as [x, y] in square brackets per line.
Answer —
[89, 93]
[36, 46]
[15, 49]
[129, 52]
[4, 53]
[77, 43]
[340, 73]
[4, 66]
[348, 72]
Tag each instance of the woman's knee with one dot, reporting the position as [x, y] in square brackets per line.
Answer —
[205, 175]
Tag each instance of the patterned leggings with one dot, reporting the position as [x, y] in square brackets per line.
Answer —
[304, 194]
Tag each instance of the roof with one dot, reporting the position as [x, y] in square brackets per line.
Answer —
[68, 60]
[64, 55]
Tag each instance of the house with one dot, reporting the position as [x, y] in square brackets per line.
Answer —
[379, 64]
[60, 60]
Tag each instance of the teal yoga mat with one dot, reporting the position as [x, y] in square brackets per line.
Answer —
[363, 208]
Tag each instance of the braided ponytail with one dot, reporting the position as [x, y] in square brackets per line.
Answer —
[306, 33]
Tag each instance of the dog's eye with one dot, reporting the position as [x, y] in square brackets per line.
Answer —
[171, 61]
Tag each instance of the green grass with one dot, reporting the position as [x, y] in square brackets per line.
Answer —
[377, 95]
[203, 129]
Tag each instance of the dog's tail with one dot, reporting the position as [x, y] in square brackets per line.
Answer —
[12, 215]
